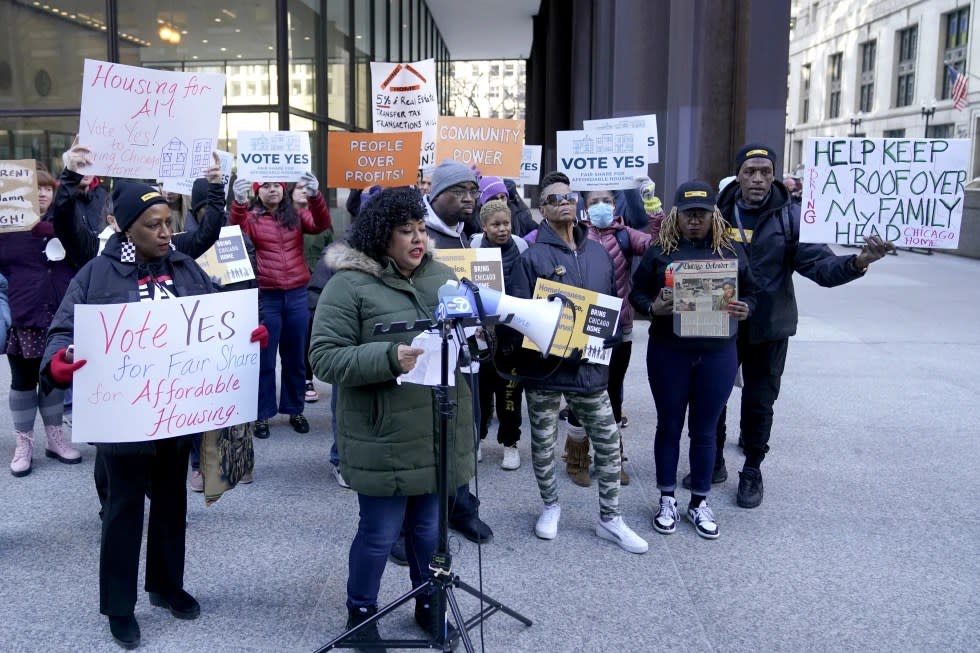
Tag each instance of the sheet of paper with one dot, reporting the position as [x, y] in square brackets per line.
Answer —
[428, 366]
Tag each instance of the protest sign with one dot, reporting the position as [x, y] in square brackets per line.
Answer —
[595, 319]
[185, 186]
[606, 159]
[647, 122]
[273, 156]
[149, 124]
[161, 369]
[493, 145]
[405, 99]
[482, 266]
[905, 190]
[530, 165]
[702, 292]
[360, 160]
[18, 196]
[227, 260]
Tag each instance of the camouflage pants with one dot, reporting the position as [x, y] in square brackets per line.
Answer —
[595, 413]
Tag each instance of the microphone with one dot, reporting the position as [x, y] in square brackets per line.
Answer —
[454, 302]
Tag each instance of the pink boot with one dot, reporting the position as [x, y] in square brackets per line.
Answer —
[23, 452]
[58, 448]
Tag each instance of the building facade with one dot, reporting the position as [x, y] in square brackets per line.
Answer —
[880, 68]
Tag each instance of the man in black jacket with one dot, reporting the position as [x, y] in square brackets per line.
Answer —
[762, 215]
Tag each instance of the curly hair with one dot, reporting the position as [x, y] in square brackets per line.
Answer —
[491, 207]
[388, 210]
[670, 233]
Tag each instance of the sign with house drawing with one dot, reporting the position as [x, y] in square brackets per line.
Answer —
[603, 159]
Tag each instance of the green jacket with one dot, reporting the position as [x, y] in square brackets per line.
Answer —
[386, 433]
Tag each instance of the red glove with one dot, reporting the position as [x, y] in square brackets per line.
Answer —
[261, 335]
[62, 370]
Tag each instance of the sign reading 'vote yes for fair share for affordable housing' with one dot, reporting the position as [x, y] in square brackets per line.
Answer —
[908, 191]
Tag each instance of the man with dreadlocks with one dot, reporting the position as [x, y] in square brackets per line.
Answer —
[688, 375]
[761, 214]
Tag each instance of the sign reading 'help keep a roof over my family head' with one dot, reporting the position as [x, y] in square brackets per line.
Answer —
[908, 191]
[149, 124]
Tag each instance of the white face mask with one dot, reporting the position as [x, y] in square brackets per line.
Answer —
[601, 215]
[54, 250]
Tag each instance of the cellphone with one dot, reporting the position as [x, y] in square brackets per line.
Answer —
[71, 350]
[667, 293]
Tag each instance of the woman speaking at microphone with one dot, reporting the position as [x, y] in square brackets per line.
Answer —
[386, 430]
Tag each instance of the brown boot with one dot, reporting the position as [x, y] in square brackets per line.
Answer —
[578, 460]
[624, 478]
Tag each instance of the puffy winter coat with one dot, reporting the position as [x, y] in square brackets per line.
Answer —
[107, 280]
[637, 244]
[587, 266]
[279, 251]
[386, 432]
[775, 252]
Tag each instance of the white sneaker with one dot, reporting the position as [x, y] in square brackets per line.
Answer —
[512, 458]
[547, 526]
[340, 478]
[616, 530]
[665, 520]
[703, 520]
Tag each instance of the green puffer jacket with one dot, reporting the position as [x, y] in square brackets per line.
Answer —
[386, 433]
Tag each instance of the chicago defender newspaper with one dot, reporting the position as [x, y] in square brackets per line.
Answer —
[702, 292]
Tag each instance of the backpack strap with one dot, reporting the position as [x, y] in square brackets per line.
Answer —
[623, 238]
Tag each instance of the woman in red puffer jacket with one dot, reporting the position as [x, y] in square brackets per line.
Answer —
[276, 227]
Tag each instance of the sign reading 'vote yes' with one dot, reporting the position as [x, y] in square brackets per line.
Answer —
[161, 369]
[273, 156]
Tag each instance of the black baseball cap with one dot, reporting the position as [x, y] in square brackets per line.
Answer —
[694, 195]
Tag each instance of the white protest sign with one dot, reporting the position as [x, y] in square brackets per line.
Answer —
[273, 156]
[530, 165]
[149, 124]
[405, 99]
[905, 190]
[607, 159]
[160, 369]
[186, 186]
[19, 210]
[228, 259]
[647, 122]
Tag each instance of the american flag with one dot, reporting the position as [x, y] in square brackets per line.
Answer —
[959, 89]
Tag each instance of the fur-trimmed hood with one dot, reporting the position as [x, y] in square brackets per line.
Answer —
[341, 256]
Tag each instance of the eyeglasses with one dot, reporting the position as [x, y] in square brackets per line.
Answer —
[460, 193]
[557, 198]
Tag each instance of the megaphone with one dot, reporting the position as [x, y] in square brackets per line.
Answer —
[535, 318]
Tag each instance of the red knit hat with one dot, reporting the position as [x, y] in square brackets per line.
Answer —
[256, 185]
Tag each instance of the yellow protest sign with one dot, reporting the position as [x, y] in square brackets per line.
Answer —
[18, 196]
[482, 266]
[586, 329]
[228, 260]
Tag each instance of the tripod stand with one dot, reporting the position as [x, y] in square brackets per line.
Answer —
[443, 579]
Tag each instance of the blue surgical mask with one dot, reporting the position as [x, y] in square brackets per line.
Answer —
[601, 215]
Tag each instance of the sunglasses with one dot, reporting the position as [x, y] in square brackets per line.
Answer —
[557, 198]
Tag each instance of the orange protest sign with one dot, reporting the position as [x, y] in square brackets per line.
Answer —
[493, 145]
[360, 159]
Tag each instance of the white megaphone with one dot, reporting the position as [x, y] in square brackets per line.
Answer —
[535, 318]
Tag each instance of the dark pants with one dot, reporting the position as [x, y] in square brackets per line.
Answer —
[129, 478]
[309, 339]
[464, 503]
[508, 396]
[381, 520]
[619, 362]
[696, 384]
[762, 372]
[286, 315]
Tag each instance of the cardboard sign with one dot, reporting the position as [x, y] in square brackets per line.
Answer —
[483, 266]
[149, 124]
[906, 190]
[18, 196]
[530, 165]
[273, 156]
[647, 122]
[160, 369]
[186, 186]
[227, 260]
[595, 319]
[608, 159]
[406, 99]
[360, 160]
[495, 146]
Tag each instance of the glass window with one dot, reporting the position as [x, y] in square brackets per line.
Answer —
[905, 86]
[893, 133]
[395, 31]
[805, 93]
[406, 29]
[956, 25]
[303, 48]
[380, 30]
[43, 139]
[867, 90]
[834, 65]
[362, 64]
[338, 62]
[940, 131]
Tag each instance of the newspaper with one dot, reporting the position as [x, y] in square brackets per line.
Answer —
[702, 292]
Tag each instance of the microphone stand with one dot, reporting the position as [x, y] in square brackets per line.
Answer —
[443, 579]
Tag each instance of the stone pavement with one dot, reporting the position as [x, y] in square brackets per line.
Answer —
[867, 539]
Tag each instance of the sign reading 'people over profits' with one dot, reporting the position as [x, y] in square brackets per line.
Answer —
[18, 196]
[908, 191]
[149, 124]
[360, 160]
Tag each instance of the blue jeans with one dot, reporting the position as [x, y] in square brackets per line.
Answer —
[334, 456]
[285, 315]
[380, 523]
[696, 383]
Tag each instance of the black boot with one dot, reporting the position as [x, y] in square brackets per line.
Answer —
[430, 620]
[357, 616]
[125, 630]
[749, 488]
[719, 475]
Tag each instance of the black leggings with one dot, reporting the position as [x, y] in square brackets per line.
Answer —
[24, 372]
